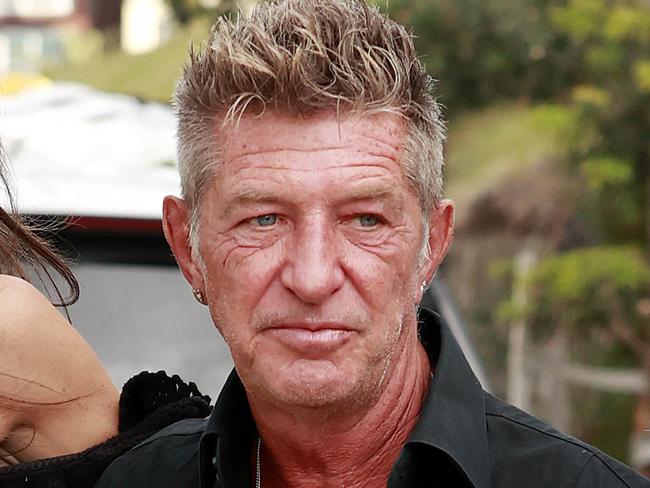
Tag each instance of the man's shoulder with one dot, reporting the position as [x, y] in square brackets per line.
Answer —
[546, 455]
[167, 458]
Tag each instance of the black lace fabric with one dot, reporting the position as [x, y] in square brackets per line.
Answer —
[148, 403]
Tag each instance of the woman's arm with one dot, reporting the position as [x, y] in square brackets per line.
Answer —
[55, 396]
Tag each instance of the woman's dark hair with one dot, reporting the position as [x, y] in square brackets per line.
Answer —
[21, 248]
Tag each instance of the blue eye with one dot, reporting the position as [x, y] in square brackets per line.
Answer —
[266, 220]
[368, 221]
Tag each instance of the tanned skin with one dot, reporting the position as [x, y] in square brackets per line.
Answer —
[55, 396]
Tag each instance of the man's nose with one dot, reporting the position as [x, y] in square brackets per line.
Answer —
[312, 270]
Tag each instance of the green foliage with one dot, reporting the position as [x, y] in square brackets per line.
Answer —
[561, 119]
[581, 19]
[610, 44]
[583, 274]
[184, 10]
[566, 126]
[600, 60]
[628, 23]
[485, 50]
[642, 76]
[579, 287]
[508, 311]
[590, 288]
[589, 96]
[603, 171]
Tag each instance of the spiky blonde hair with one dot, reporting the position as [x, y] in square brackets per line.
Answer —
[302, 57]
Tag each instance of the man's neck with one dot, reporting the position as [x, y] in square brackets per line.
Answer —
[335, 452]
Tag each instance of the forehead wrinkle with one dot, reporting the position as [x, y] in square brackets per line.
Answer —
[296, 141]
[270, 166]
[259, 152]
[378, 140]
[358, 127]
[391, 153]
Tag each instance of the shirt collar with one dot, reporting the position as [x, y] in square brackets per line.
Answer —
[225, 446]
[452, 419]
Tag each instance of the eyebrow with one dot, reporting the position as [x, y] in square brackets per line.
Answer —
[260, 196]
[372, 191]
[248, 197]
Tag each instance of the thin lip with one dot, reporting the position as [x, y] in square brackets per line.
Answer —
[311, 326]
[315, 343]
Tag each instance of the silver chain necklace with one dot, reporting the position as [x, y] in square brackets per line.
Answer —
[258, 470]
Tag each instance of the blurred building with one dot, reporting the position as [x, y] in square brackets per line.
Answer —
[32, 32]
[35, 33]
[146, 25]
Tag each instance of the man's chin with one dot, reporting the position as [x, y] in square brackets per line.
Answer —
[312, 383]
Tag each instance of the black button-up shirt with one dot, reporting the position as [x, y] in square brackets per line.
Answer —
[464, 438]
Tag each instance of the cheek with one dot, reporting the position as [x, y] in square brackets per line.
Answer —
[382, 279]
[238, 276]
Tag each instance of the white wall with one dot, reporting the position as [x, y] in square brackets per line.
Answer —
[36, 8]
[146, 24]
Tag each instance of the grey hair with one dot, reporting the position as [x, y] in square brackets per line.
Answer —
[302, 57]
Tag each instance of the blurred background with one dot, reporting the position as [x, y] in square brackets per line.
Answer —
[548, 160]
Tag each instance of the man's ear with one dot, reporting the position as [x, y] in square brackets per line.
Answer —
[176, 226]
[441, 233]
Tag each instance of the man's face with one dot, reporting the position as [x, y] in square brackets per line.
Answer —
[310, 236]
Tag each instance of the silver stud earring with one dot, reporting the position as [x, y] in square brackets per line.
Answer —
[198, 294]
[423, 286]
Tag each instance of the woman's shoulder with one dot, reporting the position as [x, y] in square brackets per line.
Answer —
[10, 283]
[21, 300]
[48, 373]
[36, 338]
[27, 318]
[24, 312]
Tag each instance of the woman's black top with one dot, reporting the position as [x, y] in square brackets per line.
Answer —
[148, 403]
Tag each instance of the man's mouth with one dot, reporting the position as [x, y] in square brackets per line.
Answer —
[312, 339]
